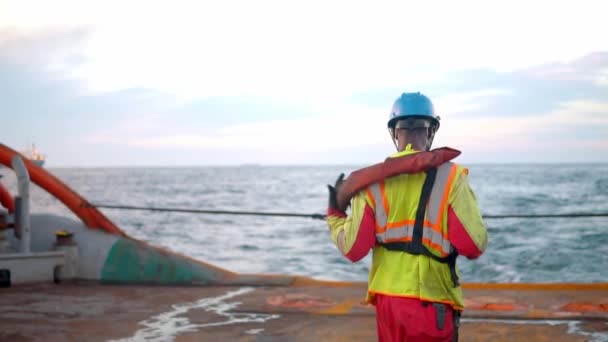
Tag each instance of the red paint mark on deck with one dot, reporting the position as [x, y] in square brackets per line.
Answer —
[585, 307]
[499, 307]
[487, 303]
[299, 300]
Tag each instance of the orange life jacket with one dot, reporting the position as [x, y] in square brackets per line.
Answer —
[411, 163]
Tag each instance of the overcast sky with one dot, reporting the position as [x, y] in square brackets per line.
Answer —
[111, 83]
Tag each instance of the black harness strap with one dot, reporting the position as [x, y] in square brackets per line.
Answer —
[425, 195]
[416, 247]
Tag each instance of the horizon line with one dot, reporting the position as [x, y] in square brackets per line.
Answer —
[156, 166]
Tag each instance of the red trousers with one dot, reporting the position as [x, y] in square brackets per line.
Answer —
[404, 319]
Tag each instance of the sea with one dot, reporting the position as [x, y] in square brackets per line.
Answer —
[519, 249]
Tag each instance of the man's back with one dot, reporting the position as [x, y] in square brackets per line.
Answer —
[395, 202]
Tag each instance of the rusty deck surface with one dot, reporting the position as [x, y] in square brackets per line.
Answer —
[93, 312]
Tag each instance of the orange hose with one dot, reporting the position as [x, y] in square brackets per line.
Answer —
[6, 200]
[89, 215]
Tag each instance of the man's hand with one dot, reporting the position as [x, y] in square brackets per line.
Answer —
[333, 190]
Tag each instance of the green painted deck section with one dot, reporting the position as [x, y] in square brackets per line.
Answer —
[134, 262]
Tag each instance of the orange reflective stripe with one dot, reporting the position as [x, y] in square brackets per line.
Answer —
[444, 200]
[380, 230]
[400, 239]
[370, 196]
[400, 223]
[384, 199]
[435, 246]
[437, 228]
[410, 222]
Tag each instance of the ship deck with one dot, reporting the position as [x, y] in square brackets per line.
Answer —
[78, 311]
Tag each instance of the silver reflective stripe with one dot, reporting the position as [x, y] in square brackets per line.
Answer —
[437, 239]
[381, 216]
[396, 233]
[439, 188]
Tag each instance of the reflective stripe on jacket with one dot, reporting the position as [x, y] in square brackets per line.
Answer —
[385, 212]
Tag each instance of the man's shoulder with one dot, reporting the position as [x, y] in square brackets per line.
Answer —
[455, 170]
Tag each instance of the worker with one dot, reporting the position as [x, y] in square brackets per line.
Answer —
[416, 224]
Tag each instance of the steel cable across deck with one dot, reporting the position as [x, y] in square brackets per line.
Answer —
[321, 216]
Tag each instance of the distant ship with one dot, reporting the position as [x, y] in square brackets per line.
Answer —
[35, 156]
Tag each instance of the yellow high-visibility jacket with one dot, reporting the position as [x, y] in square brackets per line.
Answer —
[385, 212]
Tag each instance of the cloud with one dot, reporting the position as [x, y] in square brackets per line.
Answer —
[482, 111]
[466, 102]
[47, 50]
[602, 78]
[43, 104]
[544, 88]
[574, 131]
[588, 73]
[490, 93]
[517, 114]
[313, 133]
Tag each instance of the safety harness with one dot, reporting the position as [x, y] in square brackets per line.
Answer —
[415, 246]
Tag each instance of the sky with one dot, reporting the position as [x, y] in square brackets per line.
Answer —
[185, 83]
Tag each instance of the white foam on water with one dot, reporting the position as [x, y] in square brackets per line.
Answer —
[574, 327]
[167, 325]
[507, 273]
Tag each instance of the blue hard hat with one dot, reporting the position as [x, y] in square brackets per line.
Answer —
[413, 105]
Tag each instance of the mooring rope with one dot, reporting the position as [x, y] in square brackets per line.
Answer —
[322, 216]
